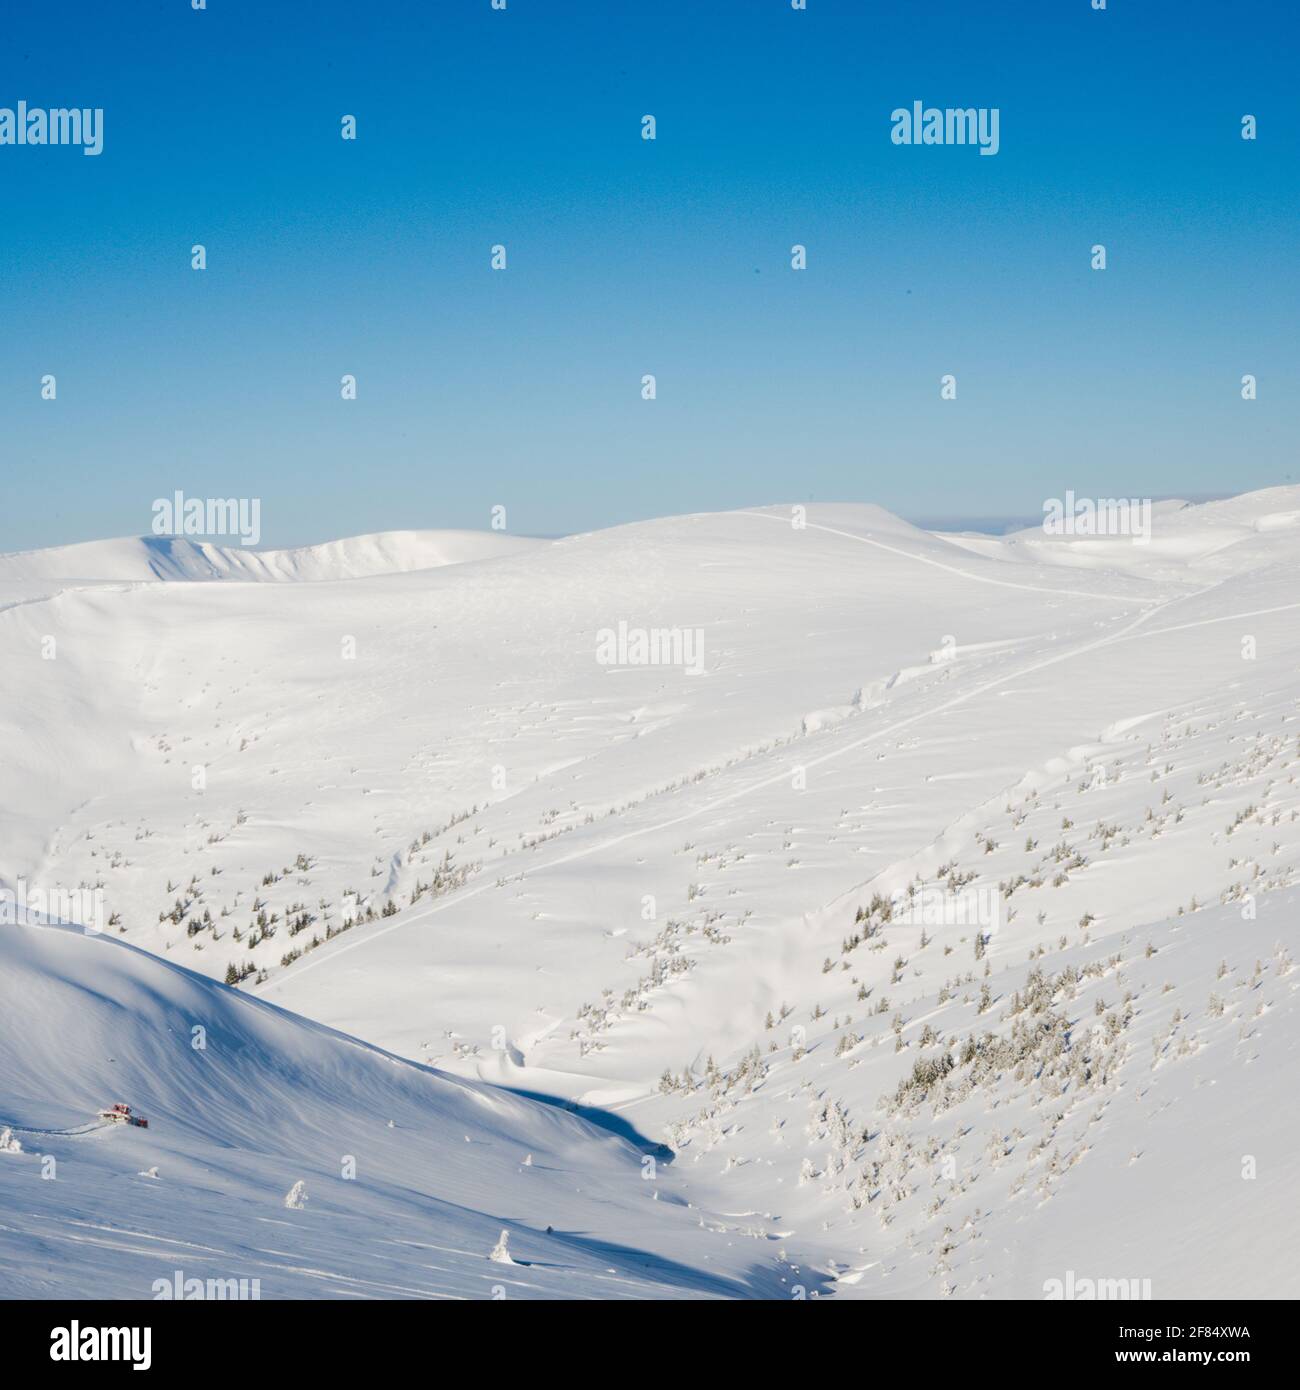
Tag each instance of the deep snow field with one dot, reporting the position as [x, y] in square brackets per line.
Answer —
[538, 941]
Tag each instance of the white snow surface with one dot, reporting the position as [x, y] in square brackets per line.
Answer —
[409, 1173]
[145, 558]
[453, 833]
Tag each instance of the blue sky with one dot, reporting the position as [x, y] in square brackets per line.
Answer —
[627, 257]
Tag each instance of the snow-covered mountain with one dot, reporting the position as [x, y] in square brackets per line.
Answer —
[140, 559]
[444, 808]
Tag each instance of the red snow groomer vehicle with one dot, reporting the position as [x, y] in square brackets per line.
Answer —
[121, 1113]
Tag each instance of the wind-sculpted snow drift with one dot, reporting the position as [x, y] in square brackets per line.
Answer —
[942, 925]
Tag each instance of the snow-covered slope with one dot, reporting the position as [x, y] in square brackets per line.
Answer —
[144, 558]
[410, 1176]
[1216, 539]
[421, 809]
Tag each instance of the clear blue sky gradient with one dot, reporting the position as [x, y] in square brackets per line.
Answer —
[626, 257]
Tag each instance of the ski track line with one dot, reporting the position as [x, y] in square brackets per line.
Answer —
[1227, 618]
[939, 565]
[28, 602]
[89, 586]
[1123, 634]
[74, 1133]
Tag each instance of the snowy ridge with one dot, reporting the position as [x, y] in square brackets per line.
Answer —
[144, 558]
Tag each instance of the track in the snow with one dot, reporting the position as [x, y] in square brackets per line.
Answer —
[59, 1133]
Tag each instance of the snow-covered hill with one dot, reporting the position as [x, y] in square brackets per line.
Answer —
[408, 1176]
[145, 558]
[427, 809]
